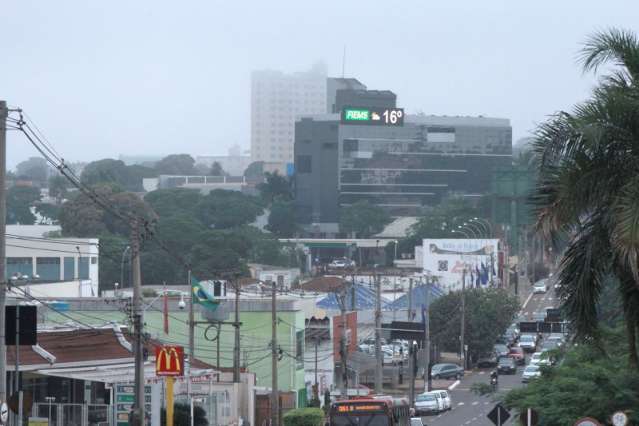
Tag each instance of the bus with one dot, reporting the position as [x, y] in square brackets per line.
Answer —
[370, 411]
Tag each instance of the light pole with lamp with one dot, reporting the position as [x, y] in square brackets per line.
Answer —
[126, 250]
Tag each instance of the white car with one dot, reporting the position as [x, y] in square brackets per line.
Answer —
[530, 372]
[341, 263]
[538, 358]
[540, 287]
[528, 342]
[445, 397]
[427, 403]
[440, 400]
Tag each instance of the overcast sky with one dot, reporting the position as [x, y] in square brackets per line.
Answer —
[102, 78]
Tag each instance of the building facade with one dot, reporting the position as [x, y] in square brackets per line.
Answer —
[276, 100]
[402, 169]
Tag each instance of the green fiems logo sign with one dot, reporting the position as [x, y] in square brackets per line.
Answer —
[356, 115]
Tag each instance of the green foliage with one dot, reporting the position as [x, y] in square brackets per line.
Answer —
[489, 312]
[115, 172]
[275, 187]
[363, 219]
[182, 415]
[35, 169]
[49, 211]
[482, 389]
[58, 187]
[19, 201]
[304, 417]
[176, 164]
[217, 170]
[255, 170]
[222, 209]
[169, 202]
[111, 249]
[281, 220]
[587, 383]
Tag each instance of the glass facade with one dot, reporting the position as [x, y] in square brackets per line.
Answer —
[69, 268]
[48, 268]
[83, 268]
[19, 266]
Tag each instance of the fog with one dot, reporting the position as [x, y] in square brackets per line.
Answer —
[102, 78]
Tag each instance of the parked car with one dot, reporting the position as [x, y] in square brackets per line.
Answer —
[528, 342]
[507, 365]
[540, 287]
[445, 397]
[487, 360]
[501, 350]
[530, 372]
[518, 355]
[446, 371]
[342, 262]
[426, 403]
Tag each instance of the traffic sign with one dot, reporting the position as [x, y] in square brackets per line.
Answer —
[587, 421]
[4, 413]
[498, 415]
[169, 361]
[619, 419]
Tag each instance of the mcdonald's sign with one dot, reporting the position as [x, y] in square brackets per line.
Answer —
[169, 361]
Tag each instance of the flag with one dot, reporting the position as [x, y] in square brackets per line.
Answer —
[484, 274]
[201, 296]
[166, 311]
[477, 277]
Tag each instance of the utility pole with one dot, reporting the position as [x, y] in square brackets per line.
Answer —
[411, 366]
[3, 282]
[378, 336]
[236, 347]
[275, 397]
[427, 379]
[138, 348]
[410, 299]
[463, 320]
[191, 333]
[316, 388]
[343, 349]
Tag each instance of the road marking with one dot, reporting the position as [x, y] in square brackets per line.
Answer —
[482, 372]
[475, 403]
[454, 385]
[467, 423]
[460, 403]
[527, 300]
[474, 419]
[486, 403]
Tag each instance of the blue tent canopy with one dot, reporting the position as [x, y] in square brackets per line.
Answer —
[364, 299]
[418, 296]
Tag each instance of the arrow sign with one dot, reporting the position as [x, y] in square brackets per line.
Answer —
[498, 415]
[4, 413]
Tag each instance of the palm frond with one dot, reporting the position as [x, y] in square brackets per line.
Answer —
[620, 47]
[625, 235]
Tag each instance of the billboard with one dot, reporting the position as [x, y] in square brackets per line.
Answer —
[452, 260]
[169, 361]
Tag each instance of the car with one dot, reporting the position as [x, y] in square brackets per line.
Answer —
[487, 360]
[539, 315]
[557, 337]
[549, 345]
[528, 342]
[445, 397]
[530, 372]
[416, 421]
[501, 350]
[446, 371]
[539, 358]
[518, 355]
[440, 400]
[341, 262]
[540, 287]
[426, 403]
[514, 330]
[507, 365]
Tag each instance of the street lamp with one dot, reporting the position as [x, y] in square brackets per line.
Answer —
[126, 250]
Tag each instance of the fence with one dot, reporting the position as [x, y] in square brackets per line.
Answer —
[74, 414]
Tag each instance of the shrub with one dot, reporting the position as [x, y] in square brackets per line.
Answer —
[304, 417]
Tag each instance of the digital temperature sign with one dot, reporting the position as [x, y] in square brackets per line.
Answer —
[372, 116]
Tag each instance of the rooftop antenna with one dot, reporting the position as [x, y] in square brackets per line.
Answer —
[343, 61]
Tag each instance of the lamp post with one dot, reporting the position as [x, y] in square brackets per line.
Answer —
[126, 250]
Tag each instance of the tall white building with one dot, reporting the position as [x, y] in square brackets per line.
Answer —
[276, 100]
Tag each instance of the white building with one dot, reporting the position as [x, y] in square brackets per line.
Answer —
[276, 99]
[53, 260]
[235, 163]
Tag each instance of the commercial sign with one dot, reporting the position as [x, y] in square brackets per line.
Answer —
[372, 116]
[169, 360]
[124, 398]
[472, 262]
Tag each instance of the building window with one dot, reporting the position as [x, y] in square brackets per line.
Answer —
[299, 349]
[69, 268]
[48, 268]
[304, 164]
[19, 266]
[83, 268]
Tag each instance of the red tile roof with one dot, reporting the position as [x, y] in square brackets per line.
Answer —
[323, 284]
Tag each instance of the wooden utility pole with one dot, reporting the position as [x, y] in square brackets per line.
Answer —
[343, 349]
[275, 397]
[3, 282]
[378, 336]
[410, 299]
[463, 320]
[191, 333]
[138, 347]
[236, 346]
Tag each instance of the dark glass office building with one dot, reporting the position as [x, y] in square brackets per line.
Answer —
[402, 169]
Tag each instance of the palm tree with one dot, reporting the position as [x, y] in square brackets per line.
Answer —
[588, 186]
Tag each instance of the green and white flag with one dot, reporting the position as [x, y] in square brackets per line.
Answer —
[201, 296]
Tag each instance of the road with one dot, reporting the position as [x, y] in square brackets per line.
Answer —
[470, 408]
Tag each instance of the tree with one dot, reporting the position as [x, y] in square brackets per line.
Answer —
[222, 209]
[182, 415]
[35, 169]
[489, 312]
[255, 170]
[281, 220]
[275, 187]
[58, 187]
[174, 201]
[586, 383]
[176, 164]
[362, 219]
[20, 200]
[48, 211]
[588, 187]
[109, 171]
[217, 170]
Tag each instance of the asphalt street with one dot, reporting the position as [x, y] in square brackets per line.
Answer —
[469, 408]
